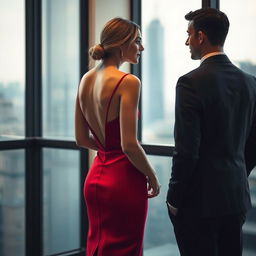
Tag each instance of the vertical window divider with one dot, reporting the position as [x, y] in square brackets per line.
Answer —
[135, 14]
[84, 166]
[33, 120]
[84, 156]
[211, 3]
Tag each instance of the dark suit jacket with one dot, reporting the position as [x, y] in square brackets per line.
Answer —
[215, 139]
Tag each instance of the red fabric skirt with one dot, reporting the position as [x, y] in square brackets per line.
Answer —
[116, 198]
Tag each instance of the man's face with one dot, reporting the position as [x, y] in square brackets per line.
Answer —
[193, 42]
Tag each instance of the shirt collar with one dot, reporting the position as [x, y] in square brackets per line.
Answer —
[210, 55]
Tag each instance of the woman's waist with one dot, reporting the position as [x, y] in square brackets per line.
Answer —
[115, 154]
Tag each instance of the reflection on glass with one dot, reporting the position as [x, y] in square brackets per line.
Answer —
[159, 236]
[12, 71]
[60, 66]
[12, 203]
[240, 48]
[165, 59]
[61, 200]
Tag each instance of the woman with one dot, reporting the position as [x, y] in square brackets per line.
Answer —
[116, 188]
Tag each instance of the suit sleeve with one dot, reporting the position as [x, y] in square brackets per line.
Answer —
[250, 146]
[250, 149]
[187, 134]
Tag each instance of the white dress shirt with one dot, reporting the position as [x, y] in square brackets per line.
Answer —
[210, 55]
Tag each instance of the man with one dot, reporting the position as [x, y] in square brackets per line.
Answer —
[215, 144]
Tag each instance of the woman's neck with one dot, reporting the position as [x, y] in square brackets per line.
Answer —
[114, 61]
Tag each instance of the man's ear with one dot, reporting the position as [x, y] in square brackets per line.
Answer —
[201, 36]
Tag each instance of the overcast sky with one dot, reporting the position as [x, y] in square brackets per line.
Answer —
[12, 38]
[240, 44]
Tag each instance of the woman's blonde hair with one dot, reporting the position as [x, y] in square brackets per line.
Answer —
[115, 33]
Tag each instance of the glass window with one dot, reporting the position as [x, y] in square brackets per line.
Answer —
[240, 48]
[61, 203]
[249, 227]
[241, 39]
[165, 59]
[60, 66]
[12, 71]
[159, 236]
[12, 203]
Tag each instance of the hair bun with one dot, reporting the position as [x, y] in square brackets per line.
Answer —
[97, 52]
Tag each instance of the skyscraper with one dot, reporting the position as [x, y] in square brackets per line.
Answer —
[60, 67]
[153, 100]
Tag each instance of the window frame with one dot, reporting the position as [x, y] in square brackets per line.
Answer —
[33, 142]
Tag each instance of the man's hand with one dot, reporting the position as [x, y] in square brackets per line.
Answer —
[172, 209]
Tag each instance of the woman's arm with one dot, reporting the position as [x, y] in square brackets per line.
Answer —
[82, 133]
[130, 92]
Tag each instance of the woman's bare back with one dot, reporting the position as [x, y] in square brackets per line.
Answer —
[94, 95]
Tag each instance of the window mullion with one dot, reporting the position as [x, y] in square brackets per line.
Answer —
[211, 3]
[33, 129]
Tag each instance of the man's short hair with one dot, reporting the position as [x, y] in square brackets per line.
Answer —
[212, 22]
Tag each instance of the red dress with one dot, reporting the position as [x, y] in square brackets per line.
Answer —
[116, 197]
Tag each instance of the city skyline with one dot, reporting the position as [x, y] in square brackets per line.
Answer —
[153, 71]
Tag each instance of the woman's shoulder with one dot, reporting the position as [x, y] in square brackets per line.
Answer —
[130, 84]
[114, 76]
[111, 77]
[89, 74]
[130, 79]
[87, 79]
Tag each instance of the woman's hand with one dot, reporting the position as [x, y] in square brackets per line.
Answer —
[153, 186]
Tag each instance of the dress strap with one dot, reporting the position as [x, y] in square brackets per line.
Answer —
[116, 87]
